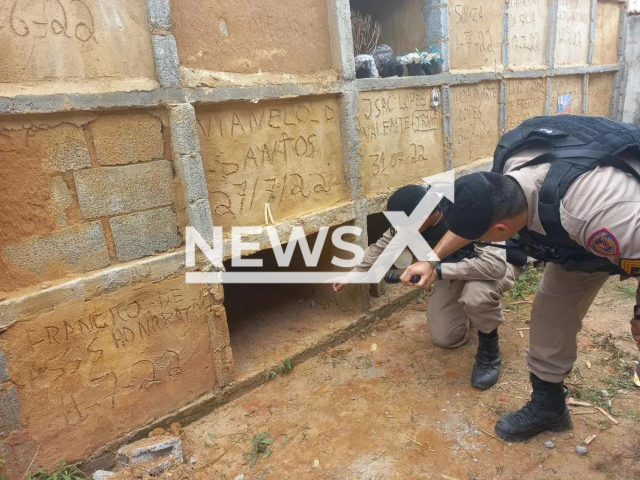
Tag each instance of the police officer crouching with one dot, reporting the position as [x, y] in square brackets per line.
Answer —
[472, 281]
[570, 186]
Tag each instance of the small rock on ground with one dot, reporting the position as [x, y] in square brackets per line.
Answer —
[549, 444]
[581, 450]
[103, 475]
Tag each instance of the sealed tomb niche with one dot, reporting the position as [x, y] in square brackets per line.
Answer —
[226, 41]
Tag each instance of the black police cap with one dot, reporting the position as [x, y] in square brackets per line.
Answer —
[407, 198]
[471, 214]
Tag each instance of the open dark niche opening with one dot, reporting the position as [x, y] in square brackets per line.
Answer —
[269, 323]
[402, 21]
[377, 225]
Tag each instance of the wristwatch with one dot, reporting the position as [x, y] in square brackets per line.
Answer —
[434, 263]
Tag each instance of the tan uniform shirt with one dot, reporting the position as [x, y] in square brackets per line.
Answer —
[491, 263]
[600, 211]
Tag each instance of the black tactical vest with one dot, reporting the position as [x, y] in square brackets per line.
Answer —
[577, 145]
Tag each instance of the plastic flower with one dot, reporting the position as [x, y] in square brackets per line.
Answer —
[411, 58]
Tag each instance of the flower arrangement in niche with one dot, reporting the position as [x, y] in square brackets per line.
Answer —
[413, 62]
[423, 63]
[432, 61]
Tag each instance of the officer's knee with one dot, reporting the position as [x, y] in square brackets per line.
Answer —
[451, 338]
[479, 299]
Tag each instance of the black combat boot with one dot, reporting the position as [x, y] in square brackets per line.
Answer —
[546, 410]
[487, 367]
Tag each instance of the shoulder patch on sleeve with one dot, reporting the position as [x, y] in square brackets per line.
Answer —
[393, 231]
[631, 266]
[603, 242]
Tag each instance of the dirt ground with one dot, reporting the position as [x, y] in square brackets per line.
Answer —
[387, 404]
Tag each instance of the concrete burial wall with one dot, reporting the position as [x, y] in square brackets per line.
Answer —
[123, 122]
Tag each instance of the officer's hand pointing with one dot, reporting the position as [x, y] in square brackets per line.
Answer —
[337, 287]
[425, 270]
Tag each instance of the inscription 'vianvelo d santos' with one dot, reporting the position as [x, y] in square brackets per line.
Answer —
[287, 155]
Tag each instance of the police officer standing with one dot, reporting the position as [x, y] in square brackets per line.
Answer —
[570, 186]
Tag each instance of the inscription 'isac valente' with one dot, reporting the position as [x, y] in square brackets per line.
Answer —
[401, 138]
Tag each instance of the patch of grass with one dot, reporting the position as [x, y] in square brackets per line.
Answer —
[64, 471]
[627, 289]
[618, 383]
[607, 342]
[260, 446]
[285, 368]
[526, 284]
[592, 395]
[2, 475]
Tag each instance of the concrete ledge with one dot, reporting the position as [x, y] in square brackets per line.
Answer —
[581, 70]
[84, 101]
[369, 84]
[260, 92]
[524, 73]
[34, 104]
